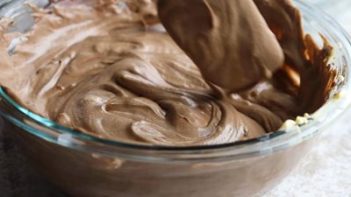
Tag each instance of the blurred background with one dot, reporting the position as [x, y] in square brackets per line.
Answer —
[338, 9]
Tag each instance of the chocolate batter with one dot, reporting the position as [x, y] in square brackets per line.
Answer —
[110, 70]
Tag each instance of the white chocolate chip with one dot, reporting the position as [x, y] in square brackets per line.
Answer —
[301, 120]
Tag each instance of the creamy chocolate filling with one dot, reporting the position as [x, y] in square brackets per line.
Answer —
[110, 70]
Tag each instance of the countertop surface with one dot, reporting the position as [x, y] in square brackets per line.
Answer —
[325, 171]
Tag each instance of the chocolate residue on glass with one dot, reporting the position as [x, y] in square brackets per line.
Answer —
[110, 70]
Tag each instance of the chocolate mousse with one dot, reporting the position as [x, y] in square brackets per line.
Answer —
[221, 72]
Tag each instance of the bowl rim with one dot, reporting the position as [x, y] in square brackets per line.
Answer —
[268, 143]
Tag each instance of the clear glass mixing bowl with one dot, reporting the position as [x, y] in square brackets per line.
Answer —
[83, 165]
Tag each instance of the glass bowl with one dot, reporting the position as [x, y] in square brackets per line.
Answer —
[83, 165]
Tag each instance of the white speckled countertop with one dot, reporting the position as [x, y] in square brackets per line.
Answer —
[325, 172]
